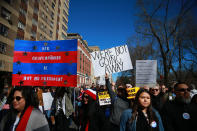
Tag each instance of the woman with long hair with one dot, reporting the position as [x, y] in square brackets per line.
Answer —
[141, 117]
[24, 113]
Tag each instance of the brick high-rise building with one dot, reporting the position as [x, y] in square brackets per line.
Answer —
[29, 20]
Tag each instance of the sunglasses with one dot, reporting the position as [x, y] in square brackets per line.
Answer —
[155, 89]
[18, 98]
[183, 90]
[85, 96]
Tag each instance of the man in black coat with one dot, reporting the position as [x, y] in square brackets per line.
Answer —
[179, 114]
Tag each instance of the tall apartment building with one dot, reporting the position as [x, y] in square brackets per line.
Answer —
[29, 20]
[83, 60]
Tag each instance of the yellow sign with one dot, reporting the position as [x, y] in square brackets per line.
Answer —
[132, 92]
[104, 98]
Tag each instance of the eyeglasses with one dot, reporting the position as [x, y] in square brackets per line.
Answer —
[18, 98]
[183, 90]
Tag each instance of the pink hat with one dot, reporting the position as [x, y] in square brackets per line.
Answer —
[91, 93]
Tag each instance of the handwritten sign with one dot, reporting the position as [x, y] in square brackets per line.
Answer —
[111, 60]
[104, 98]
[132, 92]
[146, 72]
[45, 63]
[47, 100]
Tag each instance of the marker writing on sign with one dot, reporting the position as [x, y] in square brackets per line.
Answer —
[109, 59]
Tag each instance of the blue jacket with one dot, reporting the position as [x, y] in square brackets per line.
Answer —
[126, 115]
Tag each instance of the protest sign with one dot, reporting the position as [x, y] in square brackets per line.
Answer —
[104, 98]
[132, 92]
[47, 100]
[45, 63]
[111, 60]
[101, 80]
[146, 72]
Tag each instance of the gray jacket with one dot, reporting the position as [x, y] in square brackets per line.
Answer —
[118, 105]
[36, 122]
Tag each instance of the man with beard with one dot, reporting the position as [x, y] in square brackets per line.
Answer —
[179, 114]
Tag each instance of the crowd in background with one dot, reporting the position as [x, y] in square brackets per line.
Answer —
[156, 108]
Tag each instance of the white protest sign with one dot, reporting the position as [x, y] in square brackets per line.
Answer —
[146, 72]
[111, 60]
[101, 80]
[47, 100]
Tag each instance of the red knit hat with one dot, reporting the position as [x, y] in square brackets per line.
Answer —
[91, 93]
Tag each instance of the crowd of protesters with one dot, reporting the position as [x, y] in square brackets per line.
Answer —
[155, 108]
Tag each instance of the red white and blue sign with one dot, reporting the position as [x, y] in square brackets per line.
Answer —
[45, 63]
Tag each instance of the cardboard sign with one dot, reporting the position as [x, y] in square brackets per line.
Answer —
[45, 63]
[47, 100]
[110, 61]
[132, 92]
[146, 72]
[104, 98]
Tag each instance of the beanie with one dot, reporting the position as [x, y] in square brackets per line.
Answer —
[91, 93]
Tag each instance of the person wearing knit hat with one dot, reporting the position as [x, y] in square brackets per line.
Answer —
[88, 117]
[91, 93]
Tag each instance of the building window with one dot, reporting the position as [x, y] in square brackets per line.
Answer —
[33, 34]
[4, 30]
[35, 10]
[34, 22]
[41, 37]
[5, 13]
[43, 15]
[24, 1]
[63, 35]
[51, 33]
[64, 28]
[65, 14]
[2, 64]
[51, 24]
[47, 9]
[64, 20]
[21, 25]
[23, 12]
[53, 6]
[19, 38]
[8, 1]
[3, 47]
[52, 15]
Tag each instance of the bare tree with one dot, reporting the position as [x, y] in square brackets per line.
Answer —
[163, 22]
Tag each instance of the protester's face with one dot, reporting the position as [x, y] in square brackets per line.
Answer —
[85, 99]
[5, 90]
[121, 91]
[163, 88]
[155, 91]
[18, 101]
[144, 99]
[146, 88]
[183, 93]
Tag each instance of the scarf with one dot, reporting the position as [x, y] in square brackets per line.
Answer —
[24, 120]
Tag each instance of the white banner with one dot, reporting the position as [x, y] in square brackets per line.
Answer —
[111, 60]
[47, 100]
[146, 72]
